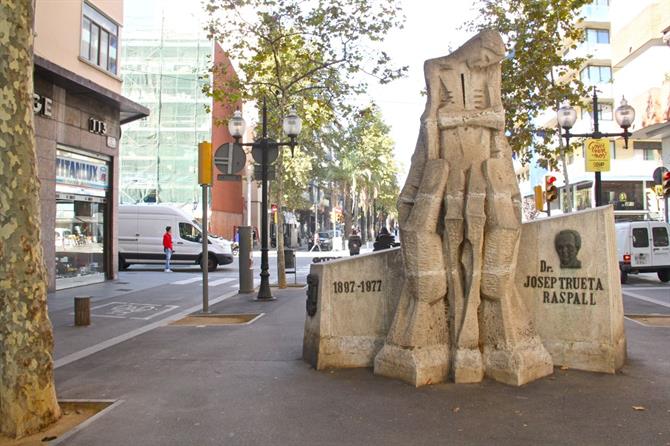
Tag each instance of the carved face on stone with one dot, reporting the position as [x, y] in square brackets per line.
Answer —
[568, 243]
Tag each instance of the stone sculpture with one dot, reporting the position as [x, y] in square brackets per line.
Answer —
[459, 314]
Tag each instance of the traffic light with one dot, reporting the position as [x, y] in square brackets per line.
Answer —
[666, 184]
[550, 190]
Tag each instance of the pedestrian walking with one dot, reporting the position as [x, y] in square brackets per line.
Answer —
[316, 243]
[167, 247]
[354, 243]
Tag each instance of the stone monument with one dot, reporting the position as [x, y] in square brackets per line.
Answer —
[459, 313]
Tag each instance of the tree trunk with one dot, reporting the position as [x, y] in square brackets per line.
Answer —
[347, 211]
[27, 392]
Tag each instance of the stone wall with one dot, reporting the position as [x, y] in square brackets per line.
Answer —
[576, 303]
[357, 298]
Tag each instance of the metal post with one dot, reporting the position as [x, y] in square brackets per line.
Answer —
[246, 261]
[264, 292]
[205, 252]
[596, 134]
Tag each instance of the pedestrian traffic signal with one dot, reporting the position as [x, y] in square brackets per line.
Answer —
[550, 190]
[666, 184]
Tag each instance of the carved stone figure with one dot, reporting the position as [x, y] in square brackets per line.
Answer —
[460, 220]
[568, 244]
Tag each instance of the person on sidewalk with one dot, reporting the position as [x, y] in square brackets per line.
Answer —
[354, 243]
[316, 243]
[384, 240]
[167, 247]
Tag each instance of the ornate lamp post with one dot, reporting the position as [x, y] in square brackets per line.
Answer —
[265, 151]
[624, 115]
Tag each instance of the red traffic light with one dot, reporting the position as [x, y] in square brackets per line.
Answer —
[551, 179]
[550, 190]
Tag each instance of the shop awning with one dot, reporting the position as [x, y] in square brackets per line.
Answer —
[129, 111]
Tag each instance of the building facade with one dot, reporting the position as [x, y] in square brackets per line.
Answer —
[627, 56]
[79, 111]
[167, 60]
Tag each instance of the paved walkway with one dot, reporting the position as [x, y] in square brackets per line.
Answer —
[247, 385]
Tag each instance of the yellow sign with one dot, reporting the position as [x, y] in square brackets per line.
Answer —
[597, 155]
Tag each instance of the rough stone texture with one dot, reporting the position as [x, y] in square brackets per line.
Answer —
[349, 328]
[578, 310]
[460, 221]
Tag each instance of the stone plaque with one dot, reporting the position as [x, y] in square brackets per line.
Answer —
[568, 276]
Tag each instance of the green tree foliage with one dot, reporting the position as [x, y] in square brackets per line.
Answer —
[540, 71]
[363, 168]
[309, 55]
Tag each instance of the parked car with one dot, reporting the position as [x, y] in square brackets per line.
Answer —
[141, 229]
[326, 240]
[643, 246]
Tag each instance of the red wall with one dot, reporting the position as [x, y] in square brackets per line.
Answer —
[227, 200]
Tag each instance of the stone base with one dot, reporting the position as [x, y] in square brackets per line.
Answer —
[468, 367]
[519, 365]
[341, 352]
[592, 356]
[418, 367]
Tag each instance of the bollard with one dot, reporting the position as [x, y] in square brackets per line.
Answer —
[82, 311]
[246, 261]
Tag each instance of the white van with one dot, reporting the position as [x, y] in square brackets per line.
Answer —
[141, 229]
[643, 246]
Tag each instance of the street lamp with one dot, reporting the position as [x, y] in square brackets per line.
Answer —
[267, 150]
[624, 115]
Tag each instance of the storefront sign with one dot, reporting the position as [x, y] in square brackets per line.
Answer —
[97, 126]
[41, 105]
[597, 155]
[78, 170]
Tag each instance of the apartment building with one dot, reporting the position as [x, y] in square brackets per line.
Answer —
[79, 111]
[627, 56]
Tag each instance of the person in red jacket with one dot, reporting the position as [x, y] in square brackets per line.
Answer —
[167, 247]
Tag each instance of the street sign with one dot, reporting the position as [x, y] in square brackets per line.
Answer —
[226, 177]
[230, 158]
[273, 152]
[597, 155]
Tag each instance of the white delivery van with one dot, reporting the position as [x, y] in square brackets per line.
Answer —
[643, 246]
[141, 229]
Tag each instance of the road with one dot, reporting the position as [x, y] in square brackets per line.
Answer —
[144, 297]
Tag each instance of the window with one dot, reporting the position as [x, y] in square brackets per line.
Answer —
[99, 39]
[189, 232]
[660, 235]
[594, 36]
[651, 150]
[640, 238]
[596, 74]
[604, 112]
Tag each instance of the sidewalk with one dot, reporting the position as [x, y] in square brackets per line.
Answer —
[247, 385]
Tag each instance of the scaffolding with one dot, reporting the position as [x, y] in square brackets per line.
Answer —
[165, 59]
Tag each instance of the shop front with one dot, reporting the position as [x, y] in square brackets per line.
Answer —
[82, 184]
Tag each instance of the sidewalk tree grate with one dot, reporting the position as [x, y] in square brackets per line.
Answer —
[202, 320]
[77, 414]
[651, 320]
